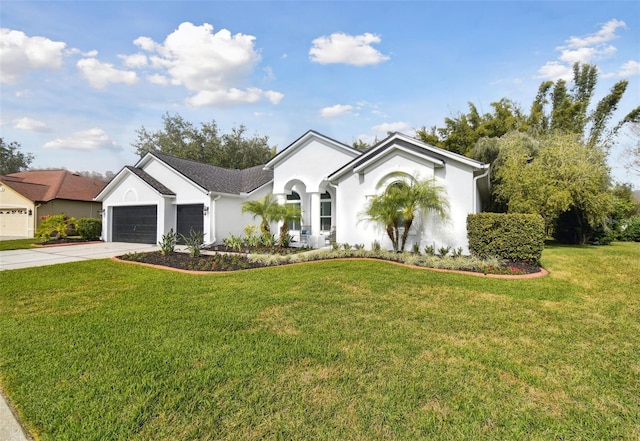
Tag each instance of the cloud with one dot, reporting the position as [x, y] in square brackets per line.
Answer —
[630, 68]
[399, 126]
[20, 53]
[87, 141]
[31, 125]
[99, 75]
[134, 61]
[347, 49]
[212, 65]
[333, 111]
[582, 50]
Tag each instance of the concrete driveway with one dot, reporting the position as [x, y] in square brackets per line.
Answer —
[15, 259]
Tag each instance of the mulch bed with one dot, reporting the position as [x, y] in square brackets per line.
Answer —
[235, 261]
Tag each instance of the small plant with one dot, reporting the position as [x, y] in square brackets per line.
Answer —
[193, 242]
[443, 251]
[251, 236]
[416, 248]
[168, 243]
[285, 240]
[335, 246]
[267, 239]
[359, 246]
[375, 246]
[346, 246]
[233, 242]
[89, 228]
[430, 250]
[457, 252]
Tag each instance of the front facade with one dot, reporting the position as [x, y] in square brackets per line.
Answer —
[330, 181]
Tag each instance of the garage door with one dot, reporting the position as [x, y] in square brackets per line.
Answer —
[137, 224]
[190, 217]
[14, 222]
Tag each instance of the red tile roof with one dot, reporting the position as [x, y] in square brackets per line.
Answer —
[46, 185]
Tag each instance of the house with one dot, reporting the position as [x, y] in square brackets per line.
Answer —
[330, 182]
[26, 197]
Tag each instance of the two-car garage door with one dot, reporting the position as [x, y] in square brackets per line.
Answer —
[137, 224]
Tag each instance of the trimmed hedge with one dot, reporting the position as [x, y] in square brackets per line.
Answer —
[506, 236]
[89, 228]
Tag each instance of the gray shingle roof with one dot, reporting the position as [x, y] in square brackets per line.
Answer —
[160, 188]
[219, 179]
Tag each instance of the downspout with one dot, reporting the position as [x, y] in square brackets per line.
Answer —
[475, 187]
[212, 220]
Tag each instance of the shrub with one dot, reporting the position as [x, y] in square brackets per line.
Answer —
[193, 242]
[416, 248]
[89, 228]
[375, 246]
[168, 243]
[430, 250]
[506, 236]
[630, 231]
[55, 226]
[443, 251]
[233, 242]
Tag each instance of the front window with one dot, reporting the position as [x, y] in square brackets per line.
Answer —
[325, 211]
[294, 199]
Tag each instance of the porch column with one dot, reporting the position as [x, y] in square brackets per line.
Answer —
[281, 199]
[314, 215]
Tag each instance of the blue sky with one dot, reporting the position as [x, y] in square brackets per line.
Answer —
[78, 78]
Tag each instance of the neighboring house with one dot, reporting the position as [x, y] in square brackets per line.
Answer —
[27, 197]
[330, 182]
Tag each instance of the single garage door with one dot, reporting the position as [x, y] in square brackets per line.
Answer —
[190, 217]
[138, 224]
[14, 222]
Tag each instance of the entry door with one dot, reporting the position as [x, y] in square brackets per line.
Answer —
[190, 217]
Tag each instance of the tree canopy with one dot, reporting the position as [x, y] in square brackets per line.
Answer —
[181, 138]
[12, 160]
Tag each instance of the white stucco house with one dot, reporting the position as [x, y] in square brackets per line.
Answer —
[330, 181]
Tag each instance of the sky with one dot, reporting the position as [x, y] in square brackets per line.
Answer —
[79, 78]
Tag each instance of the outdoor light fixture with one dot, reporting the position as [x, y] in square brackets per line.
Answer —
[101, 211]
[30, 212]
[205, 210]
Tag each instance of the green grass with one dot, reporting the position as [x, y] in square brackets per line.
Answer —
[355, 350]
[18, 244]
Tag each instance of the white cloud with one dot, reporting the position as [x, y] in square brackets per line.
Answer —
[20, 53]
[158, 79]
[88, 141]
[99, 75]
[336, 110]
[399, 126]
[134, 61]
[583, 50]
[212, 65]
[630, 68]
[347, 49]
[31, 125]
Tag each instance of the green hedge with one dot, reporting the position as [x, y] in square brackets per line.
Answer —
[506, 236]
[89, 228]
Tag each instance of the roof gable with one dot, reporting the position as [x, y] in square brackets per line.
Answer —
[305, 140]
[398, 141]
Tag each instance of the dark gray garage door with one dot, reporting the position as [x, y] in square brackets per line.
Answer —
[137, 224]
[190, 217]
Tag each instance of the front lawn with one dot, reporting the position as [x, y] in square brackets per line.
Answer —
[18, 244]
[329, 350]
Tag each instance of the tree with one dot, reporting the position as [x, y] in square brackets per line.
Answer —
[204, 144]
[564, 177]
[632, 151]
[12, 160]
[268, 210]
[286, 213]
[401, 203]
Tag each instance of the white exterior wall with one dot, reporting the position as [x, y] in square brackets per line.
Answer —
[355, 189]
[228, 216]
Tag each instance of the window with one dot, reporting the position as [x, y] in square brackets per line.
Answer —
[325, 212]
[294, 199]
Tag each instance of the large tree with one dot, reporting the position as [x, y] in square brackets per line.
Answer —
[181, 138]
[559, 177]
[401, 203]
[12, 160]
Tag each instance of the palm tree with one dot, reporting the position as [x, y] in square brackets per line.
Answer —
[286, 213]
[401, 203]
[266, 208]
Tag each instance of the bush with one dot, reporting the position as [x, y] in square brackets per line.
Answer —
[193, 242]
[168, 243]
[630, 231]
[55, 227]
[89, 228]
[506, 236]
